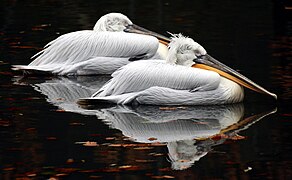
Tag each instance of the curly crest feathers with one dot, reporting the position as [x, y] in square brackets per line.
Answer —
[179, 45]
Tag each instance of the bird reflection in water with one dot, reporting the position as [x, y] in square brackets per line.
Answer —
[189, 132]
[63, 92]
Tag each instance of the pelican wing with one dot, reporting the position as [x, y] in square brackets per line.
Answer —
[79, 46]
[141, 75]
[96, 65]
[88, 52]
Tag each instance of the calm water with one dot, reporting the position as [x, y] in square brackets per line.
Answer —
[44, 134]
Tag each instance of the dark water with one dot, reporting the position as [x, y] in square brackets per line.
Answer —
[44, 134]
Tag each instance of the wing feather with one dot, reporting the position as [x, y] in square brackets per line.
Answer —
[79, 46]
[97, 65]
[141, 75]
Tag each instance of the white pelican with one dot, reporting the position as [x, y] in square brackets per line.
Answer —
[99, 51]
[181, 80]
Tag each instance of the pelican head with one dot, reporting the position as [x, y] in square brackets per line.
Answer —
[117, 22]
[114, 22]
[185, 51]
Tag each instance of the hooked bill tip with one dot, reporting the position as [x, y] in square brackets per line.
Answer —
[275, 96]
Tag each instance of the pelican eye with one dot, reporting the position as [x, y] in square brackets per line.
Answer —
[184, 48]
[189, 47]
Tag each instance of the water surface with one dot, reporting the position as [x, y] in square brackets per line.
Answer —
[45, 134]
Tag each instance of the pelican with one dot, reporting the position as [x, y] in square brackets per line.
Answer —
[189, 76]
[114, 41]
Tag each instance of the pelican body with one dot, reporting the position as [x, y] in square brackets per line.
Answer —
[99, 51]
[189, 76]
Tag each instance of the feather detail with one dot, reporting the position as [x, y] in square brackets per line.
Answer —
[156, 82]
[72, 50]
[141, 75]
[81, 45]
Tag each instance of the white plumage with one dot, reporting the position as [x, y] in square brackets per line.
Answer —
[98, 51]
[79, 46]
[169, 83]
[156, 82]
[142, 75]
